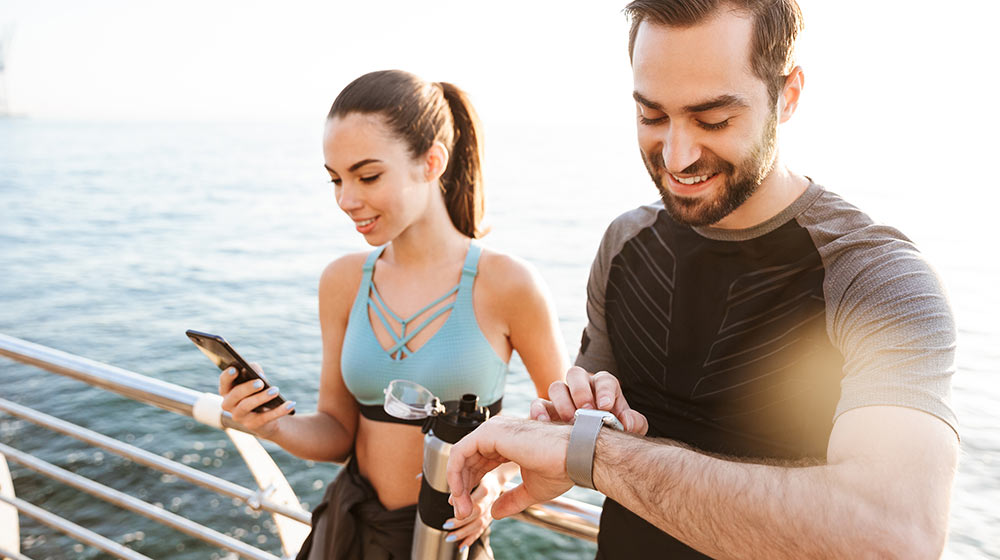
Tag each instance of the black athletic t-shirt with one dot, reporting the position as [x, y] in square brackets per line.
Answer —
[749, 343]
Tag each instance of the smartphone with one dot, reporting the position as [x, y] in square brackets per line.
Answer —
[223, 355]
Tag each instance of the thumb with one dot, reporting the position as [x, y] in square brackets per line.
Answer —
[511, 502]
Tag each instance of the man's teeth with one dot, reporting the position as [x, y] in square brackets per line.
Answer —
[691, 180]
[364, 223]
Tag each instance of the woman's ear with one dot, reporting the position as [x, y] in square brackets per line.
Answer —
[435, 161]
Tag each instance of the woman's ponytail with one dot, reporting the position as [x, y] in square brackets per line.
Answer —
[462, 181]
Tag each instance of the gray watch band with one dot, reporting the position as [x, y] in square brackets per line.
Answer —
[580, 453]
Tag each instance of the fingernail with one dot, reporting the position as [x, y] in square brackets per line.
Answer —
[272, 391]
[231, 371]
[419, 475]
[451, 538]
[449, 525]
[462, 548]
[543, 417]
[290, 405]
[586, 405]
[258, 384]
[605, 402]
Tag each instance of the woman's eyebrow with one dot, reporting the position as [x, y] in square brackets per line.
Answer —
[357, 165]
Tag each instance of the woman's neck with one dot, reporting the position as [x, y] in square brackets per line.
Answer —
[432, 239]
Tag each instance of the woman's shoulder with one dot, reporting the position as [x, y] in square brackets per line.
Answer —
[506, 274]
[342, 276]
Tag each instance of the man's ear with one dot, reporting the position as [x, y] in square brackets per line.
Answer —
[788, 101]
[435, 162]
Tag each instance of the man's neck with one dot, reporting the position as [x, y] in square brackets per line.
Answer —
[779, 189]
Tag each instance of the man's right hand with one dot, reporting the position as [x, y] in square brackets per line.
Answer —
[599, 391]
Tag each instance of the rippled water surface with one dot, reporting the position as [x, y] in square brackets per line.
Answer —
[115, 238]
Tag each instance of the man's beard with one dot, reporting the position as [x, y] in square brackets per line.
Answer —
[740, 181]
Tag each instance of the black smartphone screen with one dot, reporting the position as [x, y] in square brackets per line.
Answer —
[223, 355]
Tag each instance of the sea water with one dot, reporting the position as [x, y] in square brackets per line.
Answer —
[117, 237]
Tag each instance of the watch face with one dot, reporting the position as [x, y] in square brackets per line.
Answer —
[608, 418]
[612, 421]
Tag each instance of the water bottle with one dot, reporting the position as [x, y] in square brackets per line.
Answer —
[444, 425]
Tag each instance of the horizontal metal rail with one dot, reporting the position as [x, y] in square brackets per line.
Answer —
[135, 505]
[563, 515]
[154, 461]
[72, 529]
[137, 387]
[8, 555]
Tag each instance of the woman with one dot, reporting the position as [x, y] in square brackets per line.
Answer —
[428, 304]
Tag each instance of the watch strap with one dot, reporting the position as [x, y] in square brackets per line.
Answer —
[580, 452]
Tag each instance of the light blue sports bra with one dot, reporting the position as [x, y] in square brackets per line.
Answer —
[456, 360]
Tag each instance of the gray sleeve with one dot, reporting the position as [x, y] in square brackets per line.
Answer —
[595, 346]
[887, 313]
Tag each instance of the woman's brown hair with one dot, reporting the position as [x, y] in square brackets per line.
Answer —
[421, 113]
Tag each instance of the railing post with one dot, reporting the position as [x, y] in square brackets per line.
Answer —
[10, 533]
[270, 479]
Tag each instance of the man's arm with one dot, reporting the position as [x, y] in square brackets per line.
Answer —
[883, 492]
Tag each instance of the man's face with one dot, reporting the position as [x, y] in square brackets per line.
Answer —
[706, 127]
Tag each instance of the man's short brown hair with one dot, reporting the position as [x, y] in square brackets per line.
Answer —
[776, 24]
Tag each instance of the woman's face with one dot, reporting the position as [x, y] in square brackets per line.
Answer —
[378, 184]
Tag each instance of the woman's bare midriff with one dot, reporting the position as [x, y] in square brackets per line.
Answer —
[390, 456]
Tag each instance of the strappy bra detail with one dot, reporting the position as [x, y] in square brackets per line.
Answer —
[457, 359]
[399, 350]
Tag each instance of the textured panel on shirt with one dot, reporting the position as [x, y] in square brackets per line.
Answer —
[751, 373]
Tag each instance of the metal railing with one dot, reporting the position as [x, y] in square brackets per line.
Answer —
[274, 495]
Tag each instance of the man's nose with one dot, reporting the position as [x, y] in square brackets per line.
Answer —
[680, 148]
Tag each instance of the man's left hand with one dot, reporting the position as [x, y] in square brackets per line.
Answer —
[539, 448]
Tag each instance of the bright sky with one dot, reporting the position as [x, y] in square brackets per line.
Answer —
[897, 90]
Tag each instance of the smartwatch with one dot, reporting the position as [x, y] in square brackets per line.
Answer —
[587, 425]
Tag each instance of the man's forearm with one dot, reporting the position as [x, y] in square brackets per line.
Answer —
[732, 509]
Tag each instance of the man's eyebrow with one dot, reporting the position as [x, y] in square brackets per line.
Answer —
[648, 103]
[723, 101]
[357, 165]
[720, 102]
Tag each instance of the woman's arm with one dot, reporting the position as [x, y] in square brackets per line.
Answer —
[327, 434]
[533, 325]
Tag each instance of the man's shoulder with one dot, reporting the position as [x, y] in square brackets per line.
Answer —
[628, 224]
[832, 220]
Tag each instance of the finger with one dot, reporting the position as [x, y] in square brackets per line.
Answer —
[459, 467]
[562, 402]
[278, 411]
[477, 500]
[511, 502]
[240, 392]
[226, 379]
[580, 388]
[257, 367]
[264, 424]
[637, 424]
[608, 393]
[542, 410]
[468, 534]
[248, 404]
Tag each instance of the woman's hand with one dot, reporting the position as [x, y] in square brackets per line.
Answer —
[469, 529]
[240, 400]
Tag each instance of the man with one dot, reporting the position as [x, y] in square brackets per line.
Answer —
[793, 357]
